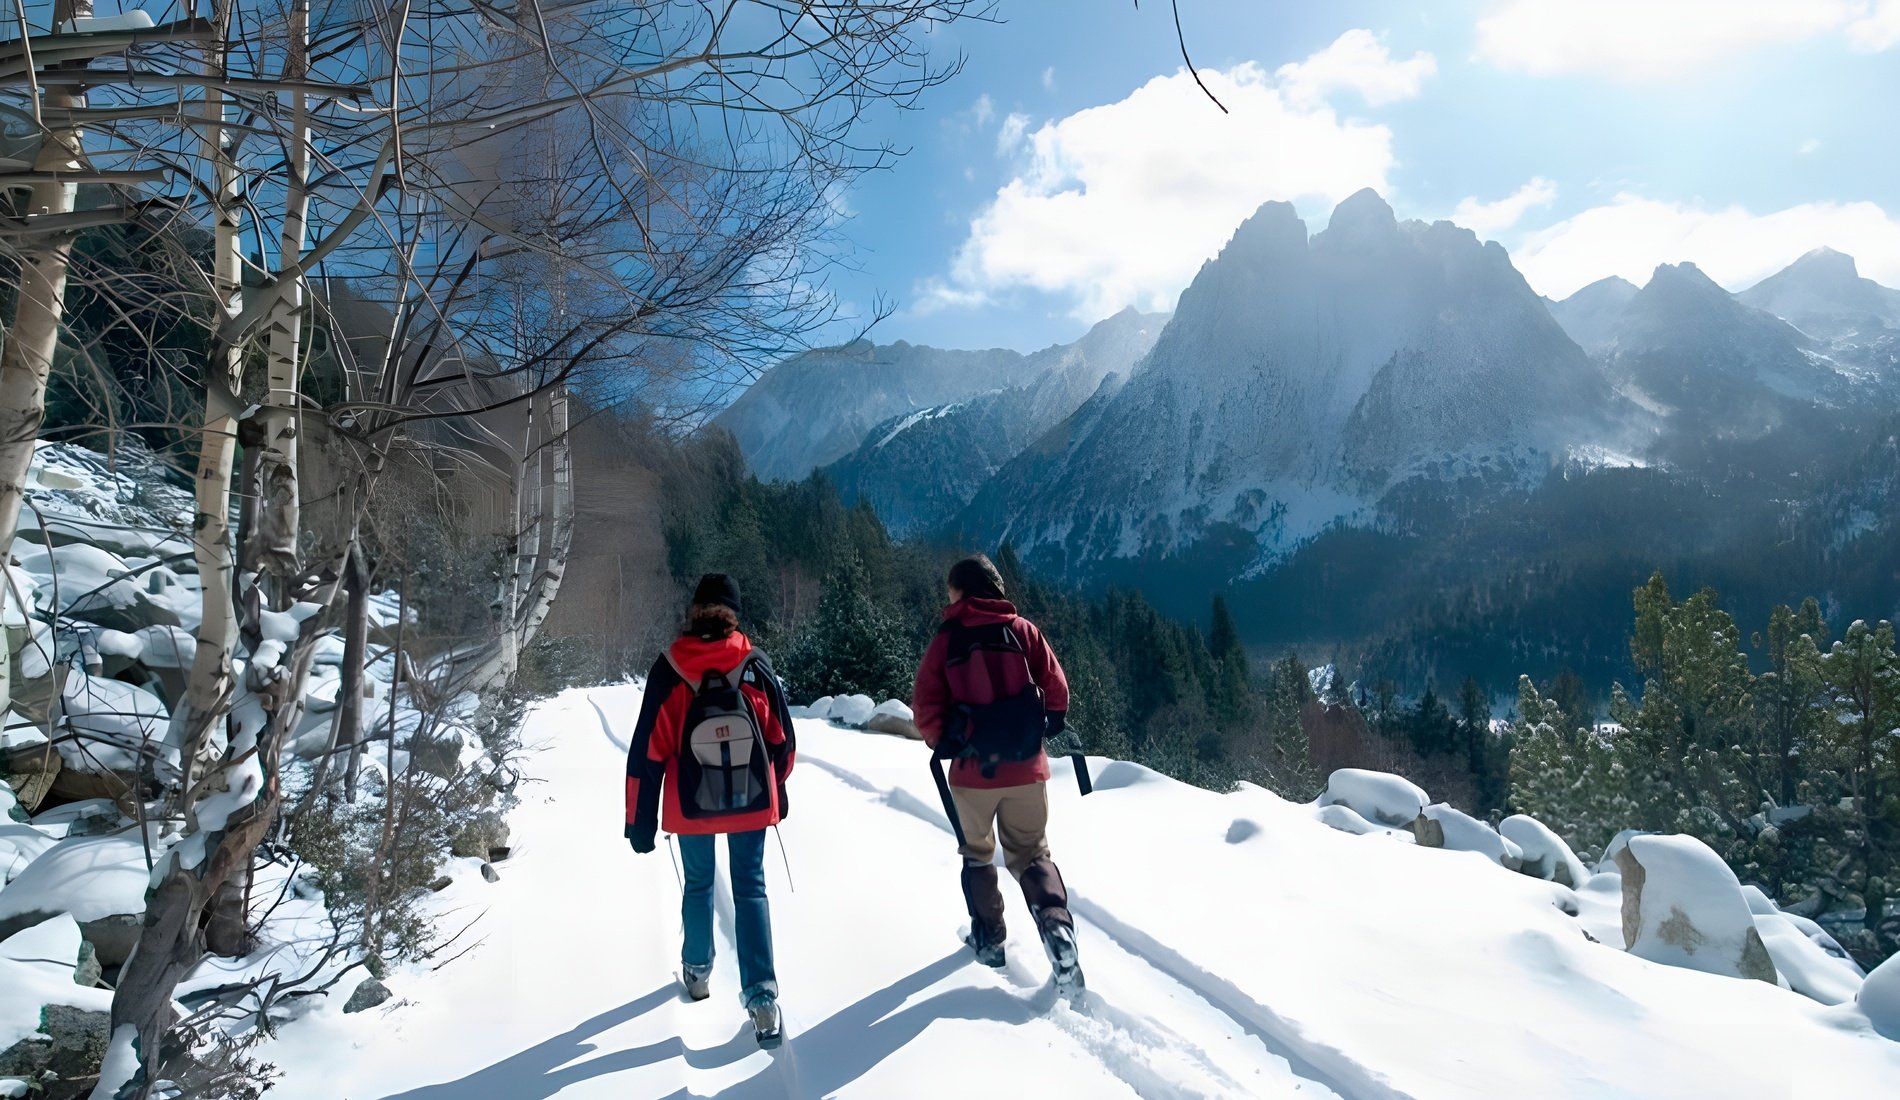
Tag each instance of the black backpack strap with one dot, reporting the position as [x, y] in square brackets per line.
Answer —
[759, 671]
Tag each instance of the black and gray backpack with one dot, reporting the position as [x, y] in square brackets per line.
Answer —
[724, 763]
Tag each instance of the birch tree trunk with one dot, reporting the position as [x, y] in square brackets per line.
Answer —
[208, 688]
[27, 359]
[554, 504]
[279, 517]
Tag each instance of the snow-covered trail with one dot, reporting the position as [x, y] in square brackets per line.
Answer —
[570, 991]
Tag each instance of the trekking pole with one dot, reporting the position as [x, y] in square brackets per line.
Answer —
[679, 877]
[943, 792]
[783, 858]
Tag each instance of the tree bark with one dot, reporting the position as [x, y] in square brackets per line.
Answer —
[555, 523]
[279, 515]
[349, 697]
[208, 687]
[27, 359]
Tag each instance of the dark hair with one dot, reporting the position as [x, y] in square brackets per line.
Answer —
[711, 623]
[976, 576]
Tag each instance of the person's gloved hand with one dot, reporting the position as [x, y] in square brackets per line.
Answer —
[1057, 721]
[641, 839]
[784, 802]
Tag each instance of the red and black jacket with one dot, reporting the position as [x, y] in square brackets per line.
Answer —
[653, 756]
[980, 678]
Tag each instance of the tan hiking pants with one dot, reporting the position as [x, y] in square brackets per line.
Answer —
[1019, 814]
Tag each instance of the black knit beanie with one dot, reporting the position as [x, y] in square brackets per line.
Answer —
[717, 590]
[977, 576]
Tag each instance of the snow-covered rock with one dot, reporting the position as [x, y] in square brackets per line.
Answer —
[1376, 796]
[97, 586]
[37, 968]
[1682, 906]
[852, 710]
[1879, 998]
[1347, 820]
[1443, 826]
[116, 723]
[1608, 864]
[1545, 855]
[1807, 968]
[20, 845]
[820, 708]
[893, 716]
[98, 881]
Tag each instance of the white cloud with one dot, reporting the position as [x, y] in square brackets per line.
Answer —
[1735, 247]
[1492, 217]
[1654, 39]
[1010, 134]
[1878, 29]
[1049, 78]
[1812, 145]
[983, 110]
[1119, 204]
[1357, 62]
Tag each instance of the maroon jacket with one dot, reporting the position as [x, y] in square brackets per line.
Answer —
[985, 678]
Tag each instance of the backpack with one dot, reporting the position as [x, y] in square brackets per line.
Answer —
[1010, 728]
[724, 764]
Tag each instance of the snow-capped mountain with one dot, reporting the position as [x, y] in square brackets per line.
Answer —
[1824, 295]
[919, 469]
[815, 408]
[1590, 315]
[1687, 349]
[1299, 379]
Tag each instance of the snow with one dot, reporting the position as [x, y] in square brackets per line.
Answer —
[820, 707]
[895, 708]
[1464, 833]
[115, 721]
[36, 970]
[1545, 854]
[101, 24]
[86, 877]
[1376, 796]
[911, 420]
[1346, 820]
[19, 844]
[1807, 968]
[1282, 959]
[852, 710]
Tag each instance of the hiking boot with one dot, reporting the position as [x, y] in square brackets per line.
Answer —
[1064, 960]
[767, 1026]
[988, 952]
[697, 981]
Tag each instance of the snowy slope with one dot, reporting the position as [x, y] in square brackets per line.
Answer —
[1234, 945]
[813, 409]
[920, 469]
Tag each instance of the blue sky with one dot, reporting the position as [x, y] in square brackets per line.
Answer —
[1072, 169]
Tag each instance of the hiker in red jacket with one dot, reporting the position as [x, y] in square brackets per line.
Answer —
[714, 743]
[988, 692]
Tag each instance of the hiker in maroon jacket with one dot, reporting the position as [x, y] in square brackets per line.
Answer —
[710, 754]
[988, 692]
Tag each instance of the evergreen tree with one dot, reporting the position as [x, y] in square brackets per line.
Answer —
[1230, 697]
[1569, 779]
[851, 647]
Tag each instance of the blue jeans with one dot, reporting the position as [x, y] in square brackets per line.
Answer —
[746, 854]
